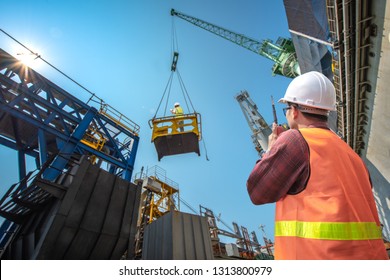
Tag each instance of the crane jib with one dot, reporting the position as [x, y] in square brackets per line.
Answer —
[282, 52]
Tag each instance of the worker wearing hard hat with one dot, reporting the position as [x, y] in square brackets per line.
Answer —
[325, 207]
[178, 111]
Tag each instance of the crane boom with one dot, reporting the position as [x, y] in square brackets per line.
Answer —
[282, 52]
[260, 128]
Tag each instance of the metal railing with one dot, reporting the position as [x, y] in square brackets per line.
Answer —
[172, 125]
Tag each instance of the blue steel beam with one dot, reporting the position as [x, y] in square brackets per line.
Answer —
[34, 122]
[131, 161]
[122, 163]
[67, 150]
[36, 100]
[12, 145]
[42, 147]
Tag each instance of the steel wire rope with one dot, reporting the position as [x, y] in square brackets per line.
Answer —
[226, 225]
[55, 68]
[93, 95]
[205, 149]
[175, 43]
[188, 205]
[174, 48]
[169, 93]
[162, 98]
[218, 218]
[185, 92]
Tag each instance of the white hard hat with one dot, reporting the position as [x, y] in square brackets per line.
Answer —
[312, 89]
[177, 104]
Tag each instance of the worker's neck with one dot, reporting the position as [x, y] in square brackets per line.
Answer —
[309, 122]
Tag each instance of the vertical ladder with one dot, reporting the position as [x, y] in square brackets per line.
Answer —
[139, 237]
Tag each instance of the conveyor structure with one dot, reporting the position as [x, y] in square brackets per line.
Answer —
[42, 120]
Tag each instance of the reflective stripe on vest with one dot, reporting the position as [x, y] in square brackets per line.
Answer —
[328, 230]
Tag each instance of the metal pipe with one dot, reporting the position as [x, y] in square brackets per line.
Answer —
[333, 17]
[330, 44]
[358, 43]
[346, 8]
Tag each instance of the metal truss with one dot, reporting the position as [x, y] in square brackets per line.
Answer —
[40, 119]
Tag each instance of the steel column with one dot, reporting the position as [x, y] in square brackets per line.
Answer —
[66, 151]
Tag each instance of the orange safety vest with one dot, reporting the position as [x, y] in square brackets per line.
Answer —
[335, 216]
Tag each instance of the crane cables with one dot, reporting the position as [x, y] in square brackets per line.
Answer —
[38, 56]
[175, 46]
[167, 90]
[189, 206]
[174, 69]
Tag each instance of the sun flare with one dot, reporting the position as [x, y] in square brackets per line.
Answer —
[28, 58]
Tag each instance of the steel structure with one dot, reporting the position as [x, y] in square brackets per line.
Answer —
[260, 128]
[247, 245]
[356, 38]
[282, 52]
[159, 196]
[87, 213]
[360, 62]
[40, 119]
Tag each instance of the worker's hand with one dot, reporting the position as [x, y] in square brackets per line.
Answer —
[276, 131]
[171, 110]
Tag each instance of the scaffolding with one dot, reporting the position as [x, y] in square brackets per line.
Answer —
[160, 195]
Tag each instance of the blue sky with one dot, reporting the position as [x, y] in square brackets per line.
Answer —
[122, 51]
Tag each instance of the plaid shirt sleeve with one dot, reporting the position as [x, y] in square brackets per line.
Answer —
[285, 169]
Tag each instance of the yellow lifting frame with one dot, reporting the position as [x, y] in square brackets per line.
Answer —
[173, 125]
[176, 134]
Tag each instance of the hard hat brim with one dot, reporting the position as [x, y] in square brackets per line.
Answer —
[282, 100]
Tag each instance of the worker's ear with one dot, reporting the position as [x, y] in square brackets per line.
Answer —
[295, 112]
